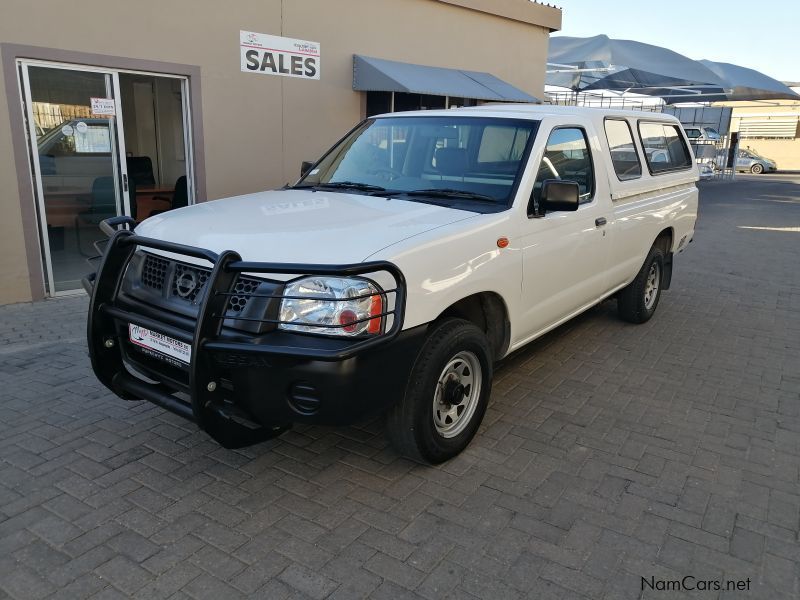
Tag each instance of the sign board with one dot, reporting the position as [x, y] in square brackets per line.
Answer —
[165, 345]
[103, 107]
[274, 55]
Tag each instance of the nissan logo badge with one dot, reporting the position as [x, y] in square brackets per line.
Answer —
[186, 284]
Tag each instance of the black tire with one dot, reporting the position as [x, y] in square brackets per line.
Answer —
[757, 169]
[638, 301]
[411, 425]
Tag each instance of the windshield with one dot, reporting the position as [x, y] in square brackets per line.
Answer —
[462, 162]
[749, 154]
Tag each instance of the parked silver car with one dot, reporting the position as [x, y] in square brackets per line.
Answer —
[748, 160]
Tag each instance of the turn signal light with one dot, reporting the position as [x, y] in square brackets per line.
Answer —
[375, 308]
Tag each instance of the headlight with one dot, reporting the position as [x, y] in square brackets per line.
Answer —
[340, 306]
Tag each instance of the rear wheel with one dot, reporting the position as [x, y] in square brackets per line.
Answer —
[638, 301]
[757, 169]
[447, 394]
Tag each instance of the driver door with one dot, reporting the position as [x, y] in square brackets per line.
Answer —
[743, 159]
[565, 254]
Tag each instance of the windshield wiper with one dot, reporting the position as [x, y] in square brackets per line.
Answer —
[345, 185]
[449, 193]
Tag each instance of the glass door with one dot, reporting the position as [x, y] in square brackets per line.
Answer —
[157, 147]
[76, 145]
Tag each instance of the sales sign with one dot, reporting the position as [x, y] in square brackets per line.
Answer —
[274, 55]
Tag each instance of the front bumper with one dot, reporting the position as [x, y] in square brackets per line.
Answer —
[242, 388]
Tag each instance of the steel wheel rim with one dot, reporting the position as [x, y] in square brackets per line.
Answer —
[457, 392]
[651, 286]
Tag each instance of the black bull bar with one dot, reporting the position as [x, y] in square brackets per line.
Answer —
[209, 407]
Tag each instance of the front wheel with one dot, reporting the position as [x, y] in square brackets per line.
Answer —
[637, 302]
[447, 394]
[757, 169]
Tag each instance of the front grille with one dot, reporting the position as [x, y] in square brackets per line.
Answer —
[154, 272]
[245, 286]
[156, 276]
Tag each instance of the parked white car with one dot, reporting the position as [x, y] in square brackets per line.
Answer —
[415, 254]
[706, 171]
[701, 132]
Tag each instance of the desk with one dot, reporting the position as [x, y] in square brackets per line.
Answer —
[62, 206]
[146, 201]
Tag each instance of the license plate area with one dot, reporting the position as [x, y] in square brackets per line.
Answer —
[158, 345]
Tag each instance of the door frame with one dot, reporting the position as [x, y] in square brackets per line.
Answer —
[187, 121]
[118, 165]
[10, 53]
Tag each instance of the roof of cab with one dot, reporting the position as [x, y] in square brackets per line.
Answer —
[534, 111]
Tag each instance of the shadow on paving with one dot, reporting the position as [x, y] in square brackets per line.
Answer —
[610, 453]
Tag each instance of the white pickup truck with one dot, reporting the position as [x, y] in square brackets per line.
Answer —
[417, 252]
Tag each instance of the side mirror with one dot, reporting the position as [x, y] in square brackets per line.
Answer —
[305, 167]
[558, 195]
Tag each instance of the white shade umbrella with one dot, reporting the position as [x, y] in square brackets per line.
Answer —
[603, 63]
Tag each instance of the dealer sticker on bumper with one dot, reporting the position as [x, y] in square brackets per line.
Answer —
[163, 344]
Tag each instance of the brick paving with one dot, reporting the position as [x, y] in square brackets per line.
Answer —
[610, 452]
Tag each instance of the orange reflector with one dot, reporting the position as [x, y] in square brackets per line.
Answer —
[502, 242]
[375, 308]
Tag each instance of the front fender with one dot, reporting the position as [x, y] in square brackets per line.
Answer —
[448, 264]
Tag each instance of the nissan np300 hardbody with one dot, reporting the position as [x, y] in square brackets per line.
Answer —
[417, 252]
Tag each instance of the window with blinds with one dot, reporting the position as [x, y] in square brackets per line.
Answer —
[774, 127]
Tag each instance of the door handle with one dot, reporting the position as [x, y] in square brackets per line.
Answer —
[600, 221]
[125, 183]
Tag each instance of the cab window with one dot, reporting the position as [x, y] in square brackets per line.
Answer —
[567, 157]
[624, 156]
[664, 148]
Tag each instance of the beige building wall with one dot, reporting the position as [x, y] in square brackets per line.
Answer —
[258, 128]
[427, 32]
[784, 151]
[14, 276]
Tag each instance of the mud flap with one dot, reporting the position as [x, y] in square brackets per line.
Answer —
[667, 279]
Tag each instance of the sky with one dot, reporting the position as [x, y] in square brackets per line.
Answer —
[759, 35]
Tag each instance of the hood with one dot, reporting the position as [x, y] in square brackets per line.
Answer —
[299, 226]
